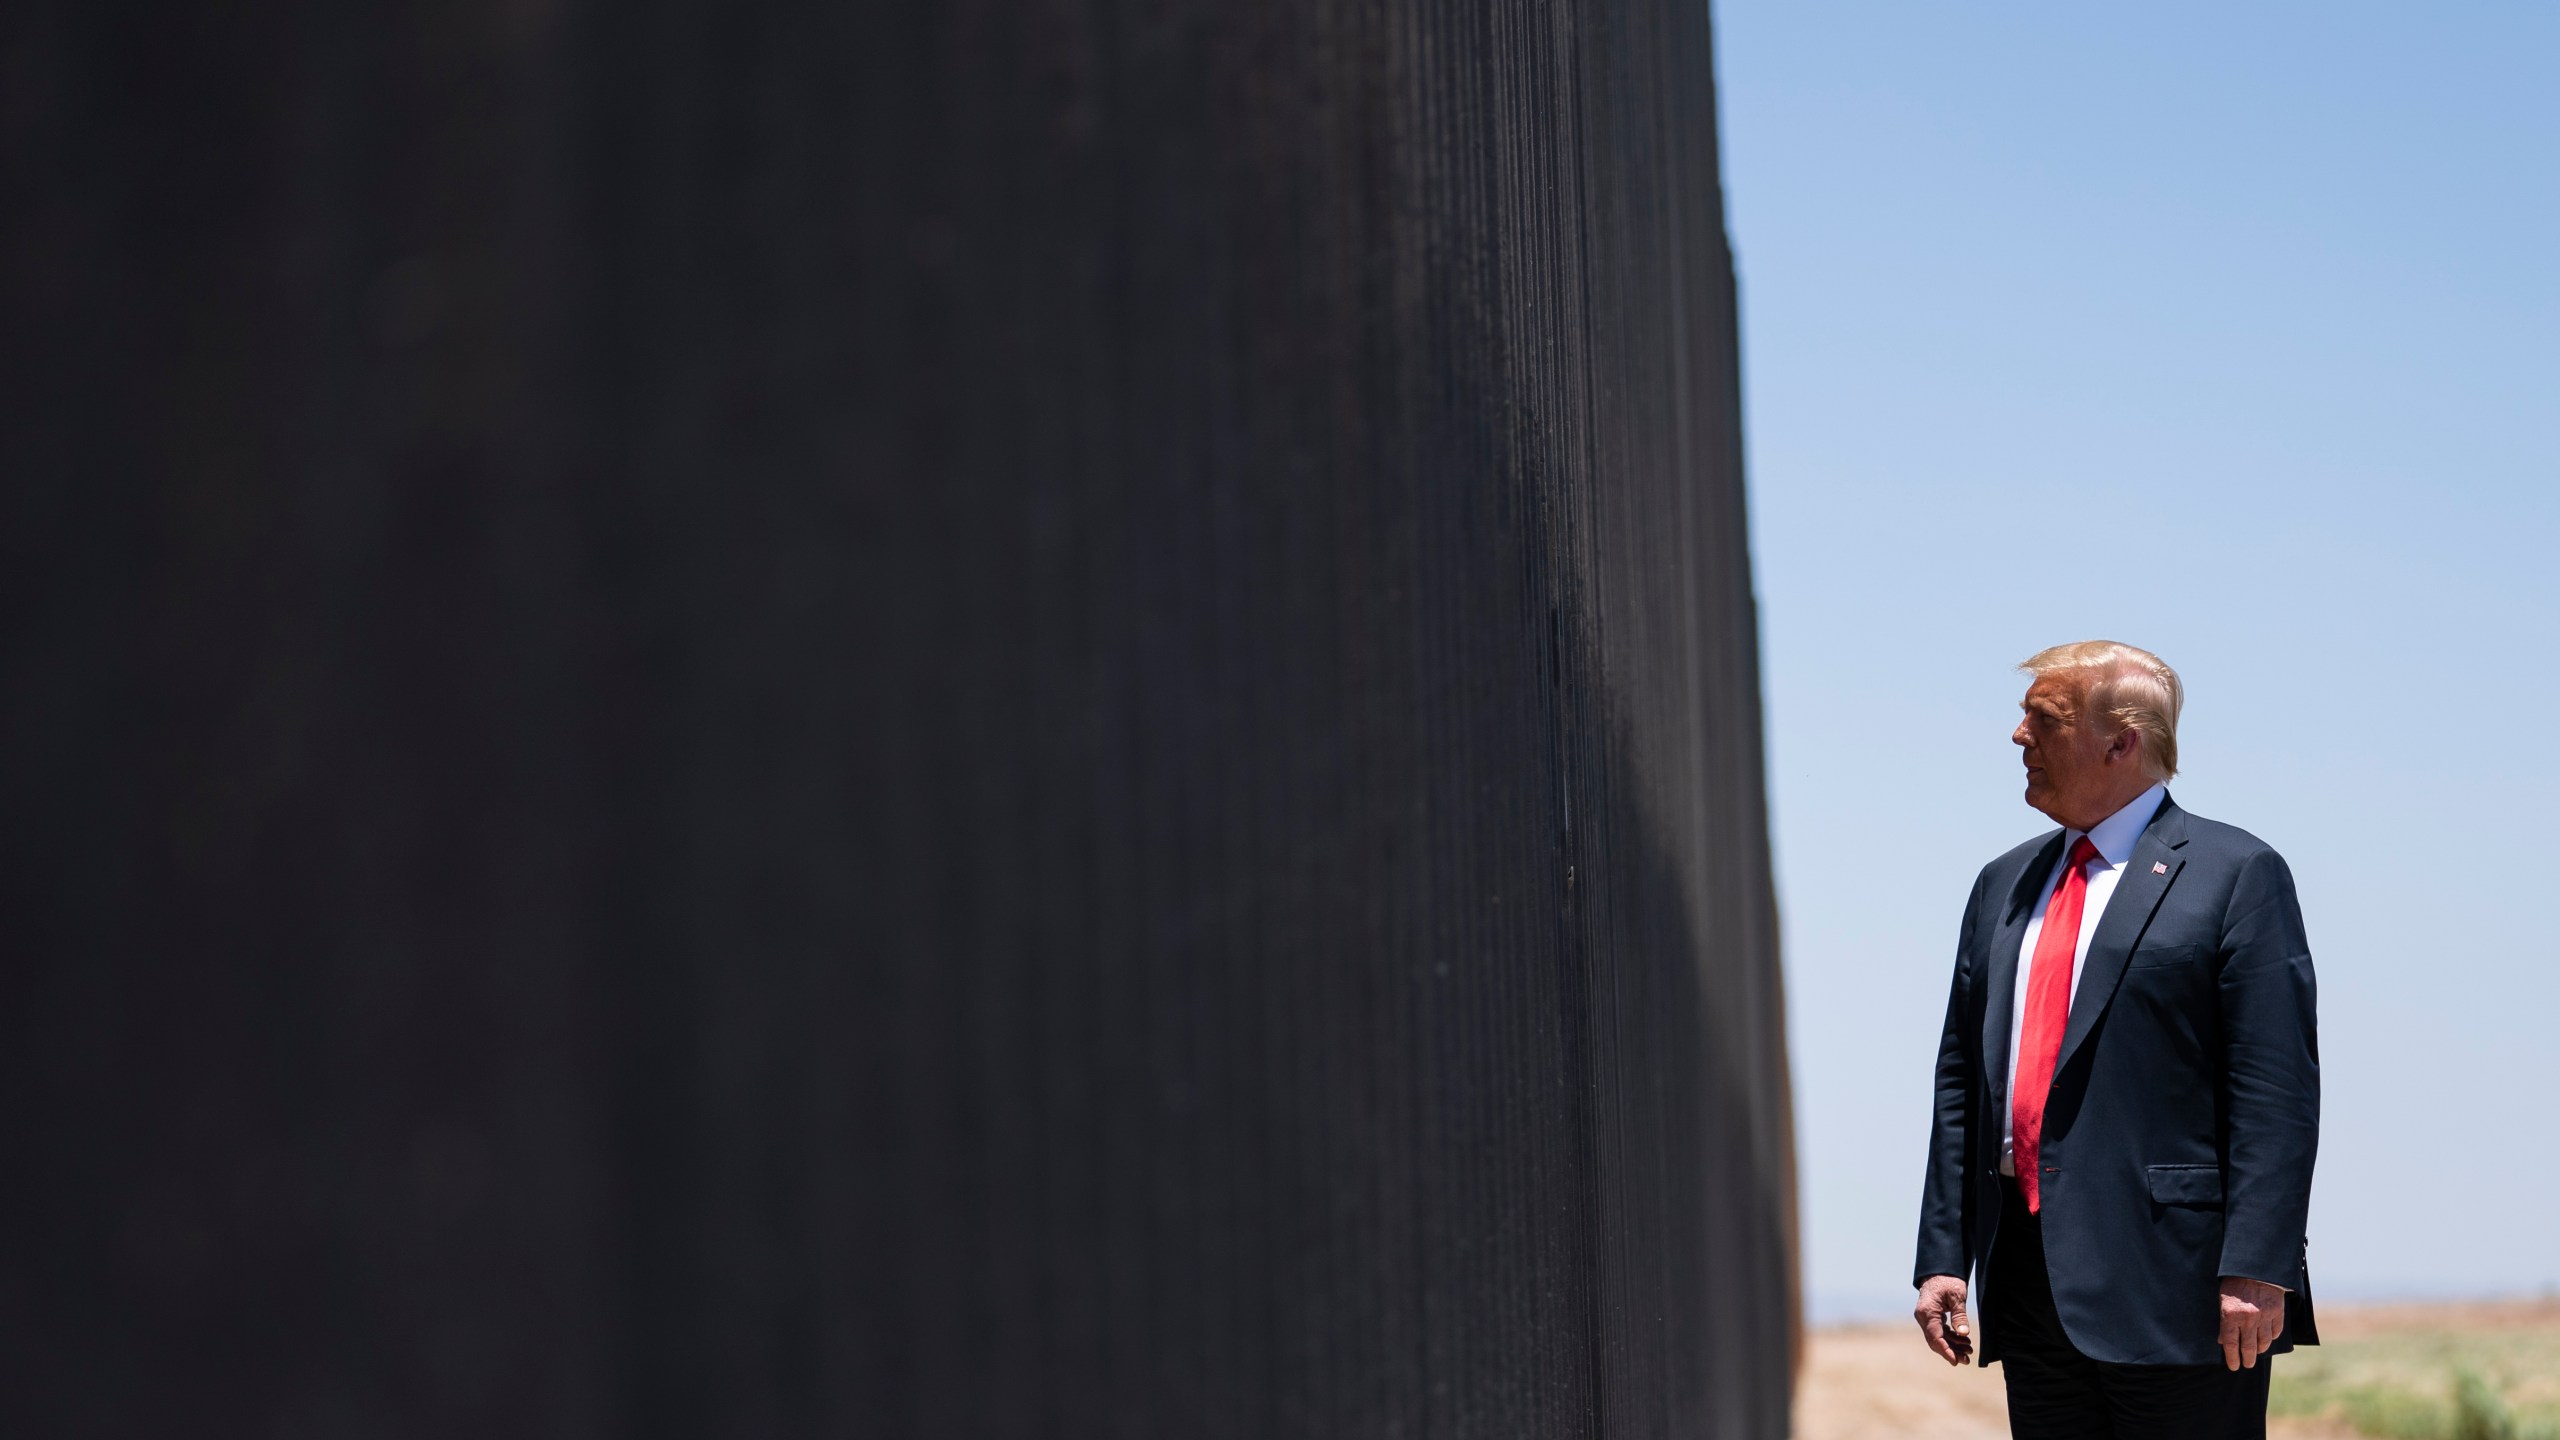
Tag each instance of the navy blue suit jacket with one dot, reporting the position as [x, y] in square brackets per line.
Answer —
[2185, 1109]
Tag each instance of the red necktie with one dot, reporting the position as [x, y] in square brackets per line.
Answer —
[2048, 1015]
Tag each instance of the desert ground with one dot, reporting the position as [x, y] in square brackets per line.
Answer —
[1869, 1382]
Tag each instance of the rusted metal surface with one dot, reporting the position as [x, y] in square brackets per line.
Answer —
[938, 720]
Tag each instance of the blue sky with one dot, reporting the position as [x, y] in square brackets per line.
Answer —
[2233, 332]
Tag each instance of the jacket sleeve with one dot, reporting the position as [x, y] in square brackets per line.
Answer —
[2271, 1075]
[1946, 1194]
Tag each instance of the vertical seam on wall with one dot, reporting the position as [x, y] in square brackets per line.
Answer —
[1599, 1007]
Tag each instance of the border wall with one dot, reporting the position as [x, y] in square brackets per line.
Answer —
[929, 719]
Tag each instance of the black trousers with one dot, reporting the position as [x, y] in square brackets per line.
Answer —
[2057, 1393]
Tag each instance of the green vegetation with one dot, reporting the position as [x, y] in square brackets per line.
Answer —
[2430, 1385]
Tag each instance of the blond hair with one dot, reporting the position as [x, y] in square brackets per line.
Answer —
[2134, 686]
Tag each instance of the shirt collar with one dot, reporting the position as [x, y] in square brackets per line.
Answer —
[2114, 836]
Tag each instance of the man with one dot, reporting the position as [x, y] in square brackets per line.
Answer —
[2128, 1089]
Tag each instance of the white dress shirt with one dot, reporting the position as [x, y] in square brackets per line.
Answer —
[2114, 837]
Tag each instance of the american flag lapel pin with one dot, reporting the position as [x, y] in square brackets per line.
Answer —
[2159, 867]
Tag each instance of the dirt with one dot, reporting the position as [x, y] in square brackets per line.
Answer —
[1864, 1381]
[1867, 1382]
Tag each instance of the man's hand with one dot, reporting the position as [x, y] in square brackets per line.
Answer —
[1940, 1312]
[2252, 1318]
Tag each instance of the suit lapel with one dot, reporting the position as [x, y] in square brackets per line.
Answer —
[2000, 997]
[2147, 877]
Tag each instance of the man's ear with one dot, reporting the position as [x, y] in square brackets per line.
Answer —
[2127, 741]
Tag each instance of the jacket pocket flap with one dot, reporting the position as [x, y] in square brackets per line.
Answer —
[2185, 1184]
[2163, 955]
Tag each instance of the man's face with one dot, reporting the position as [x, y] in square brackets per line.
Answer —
[2069, 774]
